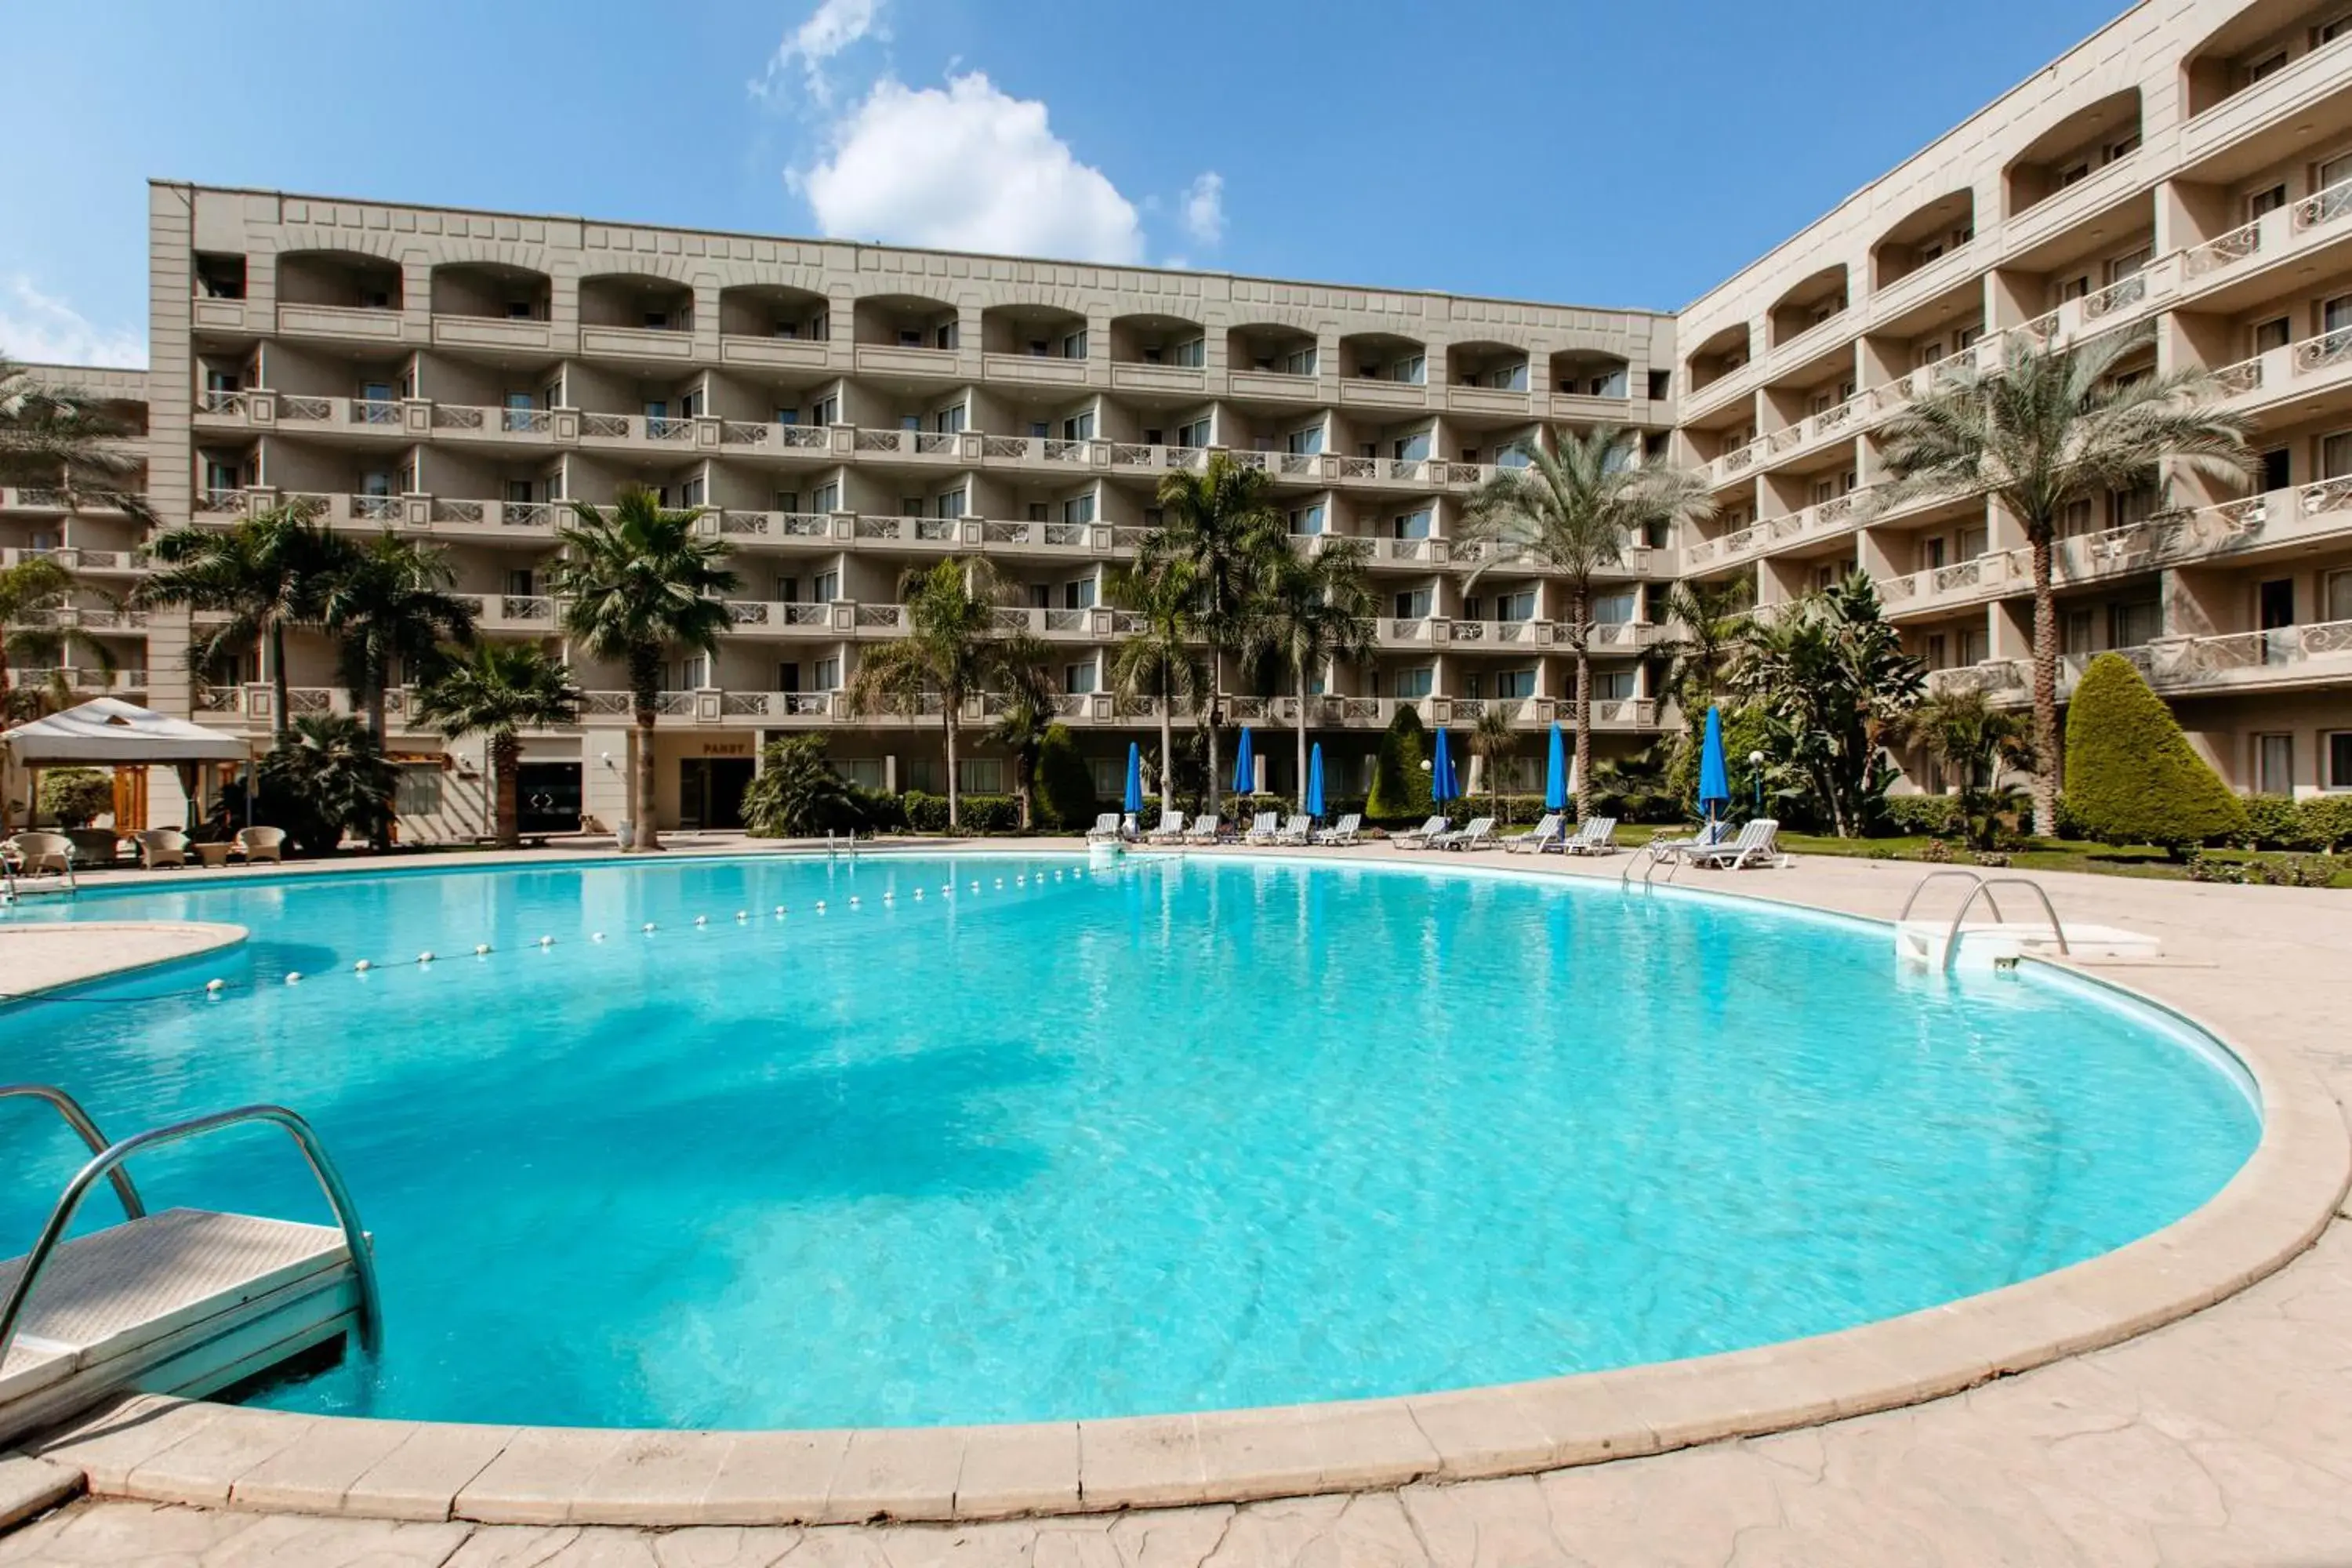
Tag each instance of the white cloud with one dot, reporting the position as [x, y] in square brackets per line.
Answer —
[43, 329]
[966, 167]
[831, 27]
[1203, 207]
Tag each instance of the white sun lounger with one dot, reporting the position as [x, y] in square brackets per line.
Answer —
[1478, 834]
[1170, 829]
[1348, 830]
[1299, 829]
[1205, 829]
[1596, 835]
[1544, 834]
[1104, 829]
[1758, 844]
[1262, 827]
[1423, 836]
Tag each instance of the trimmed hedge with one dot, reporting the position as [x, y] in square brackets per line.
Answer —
[1400, 788]
[979, 813]
[2131, 775]
[1934, 815]
[2275, 822]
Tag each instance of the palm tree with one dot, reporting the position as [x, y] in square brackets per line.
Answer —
[953, 648]
[267, 572]
[499, 690]
[1029, 710]
[1574, 510]
[31, 593]
[1219, 529]
[59, 437]
[1976, 742]
[392, 607]
[1492, 738]
[1156, 661]
[639, 584]
[2052, 428]
[1314, 609]
[1709, 618]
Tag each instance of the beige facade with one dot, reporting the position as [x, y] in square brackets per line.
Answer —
[2188, 168]
[844, 412]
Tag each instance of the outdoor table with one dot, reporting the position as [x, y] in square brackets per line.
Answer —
[212, 855]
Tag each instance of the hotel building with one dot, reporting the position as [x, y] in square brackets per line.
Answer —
[841, 412]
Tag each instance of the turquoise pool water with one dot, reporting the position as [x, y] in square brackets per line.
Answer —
[1181, 1136]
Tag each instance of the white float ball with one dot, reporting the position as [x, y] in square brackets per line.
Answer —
[425, 957]
[293, 977]
[215, 987]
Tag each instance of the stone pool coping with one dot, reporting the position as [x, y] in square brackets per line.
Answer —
[2275, 1206]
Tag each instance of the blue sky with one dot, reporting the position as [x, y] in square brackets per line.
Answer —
[1625, 154]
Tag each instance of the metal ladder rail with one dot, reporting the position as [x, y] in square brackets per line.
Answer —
[1976, 879]
[86, 1128]
[331, 1181]
[1983, 889]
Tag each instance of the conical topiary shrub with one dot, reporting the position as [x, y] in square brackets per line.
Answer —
[2132, 776]
[1400, 789]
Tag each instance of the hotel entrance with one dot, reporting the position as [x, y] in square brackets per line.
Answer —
[711, 791]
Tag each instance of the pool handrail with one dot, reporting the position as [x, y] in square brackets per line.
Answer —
[331, 1181]
[85, 1128]
[1983, 889]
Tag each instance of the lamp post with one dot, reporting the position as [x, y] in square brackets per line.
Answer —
[1755, 773]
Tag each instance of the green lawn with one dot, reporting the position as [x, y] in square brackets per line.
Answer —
[2041, 855]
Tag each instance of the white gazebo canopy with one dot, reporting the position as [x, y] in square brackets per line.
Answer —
[109, 732]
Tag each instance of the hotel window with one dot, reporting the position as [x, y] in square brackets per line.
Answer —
[860, 773]
[1074, 344]
[1304, 443]
[1078, 593]
[910, 337]
[2074, 639]
[2329, 32]
[1079, 508]
[786, 501]
[2073, 288]
[1413, 605]
[1195, 433]
[2335, 455]
[2268, 65]
[788, 416]
[2336, 596]
[2073, 174]
[1611, 384]
[2261, 202]
[1515, 683]
[1971, 646]
[1932, 650]
[1612, 609]
[1298, 362]
[820, 327]
[788, 678]
[949, 421]
[1306, 519]
[1078, 679]
[2136, 505]
[2128, 264]
[1516, 607]
[1079, 426]
[689, 494]
[827, 410]
[949, 505]
[2135, 624]
[2333, 187]
[1415, 681]
[416, 790]
[2274, 764]
[1038, 511]
[1966, 337]
[2276, 333]
[2123, 147]
[1512, 454]
[826, 497]
[788, 590]
[824, 587]
[1612, 685]
[1191, 355]
[1039, 429]
[2339, 759]
[980, 775]
[1412, 449]
[1414, 369]
[1974, 540]
[1410, 525]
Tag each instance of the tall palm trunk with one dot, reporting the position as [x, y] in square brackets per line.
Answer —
[948, 714]
[1582, 634]
[2046, 692]
[1302, 737]
[506, 758]
[278, 682]
[1167, 748]
[644, 680]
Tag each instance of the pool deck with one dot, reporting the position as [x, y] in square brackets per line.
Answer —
[2186, 1399]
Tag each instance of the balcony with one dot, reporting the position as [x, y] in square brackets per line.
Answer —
[375, 324]
[35, 498]
[1822, 520]
[75, 559]
[789, 353]
[2319, 654]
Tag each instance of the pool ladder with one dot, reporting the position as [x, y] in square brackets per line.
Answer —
[1982, 887]
[107, 1160]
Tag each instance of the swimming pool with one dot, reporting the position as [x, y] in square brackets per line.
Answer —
[1185, 1135]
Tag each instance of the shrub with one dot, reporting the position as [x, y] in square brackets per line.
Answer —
[327, 777]
[72, 796]
[797, 794]
[1400, 788]
[2326, 821]
[1064, 789]
[2276, 822]
[2131, 775]
[979, 813]
[878, 812]
[1936, 815]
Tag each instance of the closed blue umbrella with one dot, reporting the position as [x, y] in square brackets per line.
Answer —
[1442, 785]
[1313, 805]
[1245, 765]
[1134, 778]
[1713, 779]
[1556, 774]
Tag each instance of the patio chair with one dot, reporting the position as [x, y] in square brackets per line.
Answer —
[1544, 836]
[1105, 828]
[1170, 831]
[1421, 837]
[1348, 829]
[1596, 835]
[1299, 829]
[1262, 827]
[162, 846]
[1758, 844]
[31, 854]
[1477, 834]
[1206, 829]
[1708, 836]
[259, 843]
